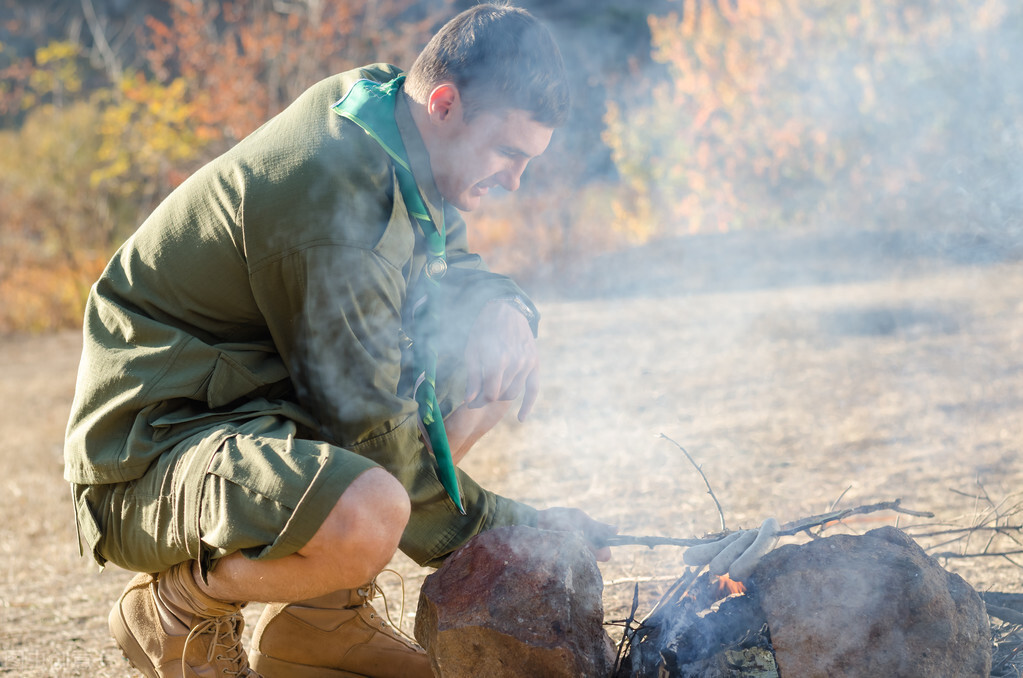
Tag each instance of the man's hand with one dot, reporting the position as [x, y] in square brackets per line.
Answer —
[738, 553]
[574, 520]
[501, 358]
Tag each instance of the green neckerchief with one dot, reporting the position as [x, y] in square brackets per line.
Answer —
[370, 105]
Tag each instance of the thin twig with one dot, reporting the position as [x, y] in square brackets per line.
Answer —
[633, 540]
[835, 503]
[945, 543]
[985, 522]
[99, 38]
[626, 642]
[721, 514]
[640, 580]
[991, 554]
[832, 508]
[1004, 529]
[1008, 658]
[835, 516]
[787, 530]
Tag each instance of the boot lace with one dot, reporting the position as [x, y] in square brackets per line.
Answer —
[370, 591]
[225, 644]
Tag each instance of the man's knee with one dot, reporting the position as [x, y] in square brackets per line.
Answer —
[365, 524]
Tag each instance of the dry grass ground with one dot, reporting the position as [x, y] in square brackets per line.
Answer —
[794, 368]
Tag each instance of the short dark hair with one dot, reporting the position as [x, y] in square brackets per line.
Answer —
[498, 56]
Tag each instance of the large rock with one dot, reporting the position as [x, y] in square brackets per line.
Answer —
[870, 605]
[516, 601]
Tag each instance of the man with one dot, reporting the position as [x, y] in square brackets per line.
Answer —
[254, 418]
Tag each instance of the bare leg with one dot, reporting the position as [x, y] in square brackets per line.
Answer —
[353, 544]
[356, 540]
[466, 426]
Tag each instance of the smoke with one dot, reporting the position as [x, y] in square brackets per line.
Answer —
[862, 341]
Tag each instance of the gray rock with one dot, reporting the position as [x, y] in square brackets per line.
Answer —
[868, 606]
[516, 601]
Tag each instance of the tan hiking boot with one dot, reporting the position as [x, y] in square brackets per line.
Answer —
[339, 635]
[166, 626]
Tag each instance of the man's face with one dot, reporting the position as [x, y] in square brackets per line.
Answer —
[493, 149]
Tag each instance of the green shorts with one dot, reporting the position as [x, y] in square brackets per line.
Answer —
[252, 487]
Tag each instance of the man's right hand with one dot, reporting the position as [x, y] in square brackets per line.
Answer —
[575, 520]
[501, 358]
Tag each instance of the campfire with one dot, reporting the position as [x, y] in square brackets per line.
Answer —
[870, 605]
[848, 605]
[523, 601]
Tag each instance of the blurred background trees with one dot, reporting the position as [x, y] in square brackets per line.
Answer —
[106, 106]
[789, 112]
[690, 116]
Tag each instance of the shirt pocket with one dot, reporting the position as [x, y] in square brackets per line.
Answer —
[243, 374]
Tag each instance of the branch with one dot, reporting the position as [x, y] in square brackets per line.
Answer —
[798, 526]
[721, 514]
[787, 530]
[96, 28]
[999, 554]
[979, 528]
[650, 542]
[626, 642]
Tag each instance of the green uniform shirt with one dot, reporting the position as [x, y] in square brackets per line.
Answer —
[274, 281]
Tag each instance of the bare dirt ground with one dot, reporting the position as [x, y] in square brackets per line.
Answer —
[794, 368]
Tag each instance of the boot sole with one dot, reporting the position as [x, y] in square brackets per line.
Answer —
[276, 668]
[130, 647]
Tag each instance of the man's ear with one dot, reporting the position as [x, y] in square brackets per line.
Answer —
[443, 102]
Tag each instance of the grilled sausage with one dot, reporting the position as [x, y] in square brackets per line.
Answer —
[704, 553]
[743, 566]
[724, 560]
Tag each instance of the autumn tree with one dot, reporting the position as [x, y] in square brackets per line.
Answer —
[790, 112]
[84, 165]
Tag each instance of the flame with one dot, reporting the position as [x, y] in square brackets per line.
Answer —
[730, 585]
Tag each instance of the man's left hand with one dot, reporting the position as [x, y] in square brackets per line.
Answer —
[501, 358]
[576, 520]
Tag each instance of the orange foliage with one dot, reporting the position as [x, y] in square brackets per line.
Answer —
[781, 111]
[243, 61]
[40, 296]
[53, 75]
[82, 168]
[55, 227]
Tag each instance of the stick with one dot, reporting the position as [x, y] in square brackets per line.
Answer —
[721, 514]
[650, 542]
[626, 641]
[949, 554]
[979, 528]
[798, 526]
[1005, 660]
[1005, 614]
[640, 580]
[787, 530]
